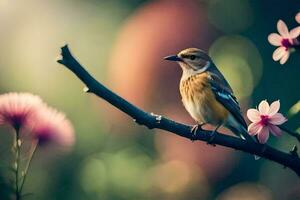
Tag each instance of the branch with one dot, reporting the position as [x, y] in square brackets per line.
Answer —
[150, 120]
[291, 133]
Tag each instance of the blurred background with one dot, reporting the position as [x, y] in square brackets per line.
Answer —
[122, 42]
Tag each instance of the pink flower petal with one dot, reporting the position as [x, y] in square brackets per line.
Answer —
[295, 32]
[275, 39]
[285, 57]
[254, 128]
[263, 135]
[282, 29]
[276, 131]
[274, 108]
[51, 127]
[277, 119]
[17, 108]
[263, 107]
[295, 41]
[278, 53]
[253, 115]
[298, 17]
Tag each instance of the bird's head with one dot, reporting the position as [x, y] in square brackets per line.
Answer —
[191, 60]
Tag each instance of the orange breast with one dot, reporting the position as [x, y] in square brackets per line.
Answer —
[200, 101]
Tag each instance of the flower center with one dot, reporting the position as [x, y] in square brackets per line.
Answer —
[43, 136]
[264, 120]
[286, 43]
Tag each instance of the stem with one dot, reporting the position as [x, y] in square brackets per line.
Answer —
[33, 150]
[17, 163]
[291, 133]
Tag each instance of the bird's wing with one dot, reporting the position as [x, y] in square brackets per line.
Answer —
[224, 95]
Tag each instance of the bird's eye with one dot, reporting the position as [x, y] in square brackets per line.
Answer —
[192, 57]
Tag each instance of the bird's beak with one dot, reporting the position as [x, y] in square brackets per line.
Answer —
[173, 58]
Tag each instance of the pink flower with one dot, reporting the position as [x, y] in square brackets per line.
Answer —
[15, 108]
[285, 40]
[49, 126]
[297, 17]
[265, 120]
[24, 110]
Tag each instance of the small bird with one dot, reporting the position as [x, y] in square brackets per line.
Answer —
[206, 94]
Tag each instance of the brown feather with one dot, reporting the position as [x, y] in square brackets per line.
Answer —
[200, 101]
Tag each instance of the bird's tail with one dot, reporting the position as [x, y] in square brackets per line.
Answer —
[243, 133]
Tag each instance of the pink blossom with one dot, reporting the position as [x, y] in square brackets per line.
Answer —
[265, 120]
[49, 126]
[16, 108]
[285, 40]
[297, 17]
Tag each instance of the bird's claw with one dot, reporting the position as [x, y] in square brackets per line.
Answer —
[194, 130]
[211, 138]
[213, 135]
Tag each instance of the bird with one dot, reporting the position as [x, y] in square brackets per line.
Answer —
[206, 94]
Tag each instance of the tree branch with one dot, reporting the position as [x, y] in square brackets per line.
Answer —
[291, 133]
[150, 120]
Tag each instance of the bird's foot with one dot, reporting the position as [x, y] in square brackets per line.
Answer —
[212, 137]
[195, 128]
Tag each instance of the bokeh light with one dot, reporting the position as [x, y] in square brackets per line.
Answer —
[124, 171]
[176, 179]
[230, 16]
[93, 176]
[240, 62]
[246, 191]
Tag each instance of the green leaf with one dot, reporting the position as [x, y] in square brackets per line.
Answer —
[295, 109]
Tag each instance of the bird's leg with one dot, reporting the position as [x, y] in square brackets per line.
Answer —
[196, 127]
[213, 135]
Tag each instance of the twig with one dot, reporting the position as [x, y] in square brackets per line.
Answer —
[25, 172]
[17, 162]
[291, 133]
[156, 121]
